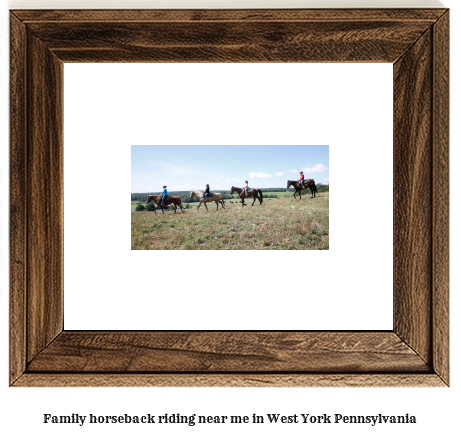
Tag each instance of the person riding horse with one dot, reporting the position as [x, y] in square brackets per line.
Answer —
[245, 188]
[164, 196]
[301, 179]
[207, 191]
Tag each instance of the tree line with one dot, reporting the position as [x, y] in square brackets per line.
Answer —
[184, 195]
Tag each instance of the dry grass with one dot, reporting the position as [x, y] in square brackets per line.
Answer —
[281, 224]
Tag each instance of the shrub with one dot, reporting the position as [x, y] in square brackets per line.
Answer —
[140, 207]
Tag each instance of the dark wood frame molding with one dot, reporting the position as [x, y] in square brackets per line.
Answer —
[414, 353]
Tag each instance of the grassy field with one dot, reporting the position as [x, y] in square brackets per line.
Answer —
[279, 224]
[236, 199]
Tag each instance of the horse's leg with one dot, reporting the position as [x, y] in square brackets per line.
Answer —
[254, 199]
[206, 206]
[199, 206]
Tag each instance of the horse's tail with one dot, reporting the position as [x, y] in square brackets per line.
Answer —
[260, 196]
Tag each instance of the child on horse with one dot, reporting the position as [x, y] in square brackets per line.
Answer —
[245, 188]
[301, 179]
[164, 196]
[207, 191]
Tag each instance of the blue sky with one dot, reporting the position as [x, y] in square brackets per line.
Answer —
[188, 167]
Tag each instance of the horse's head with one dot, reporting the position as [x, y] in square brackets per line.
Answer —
[191, 194]
[149, 198]
[232, 190]
[288, 184]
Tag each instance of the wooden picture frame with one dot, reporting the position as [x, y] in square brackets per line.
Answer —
[414, 353]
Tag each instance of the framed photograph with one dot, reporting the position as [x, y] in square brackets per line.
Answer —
[415, 352]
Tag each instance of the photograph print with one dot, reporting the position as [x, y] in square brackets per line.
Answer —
[230, 197]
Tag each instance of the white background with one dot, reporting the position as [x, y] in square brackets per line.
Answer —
[348, 106]
[436, 409]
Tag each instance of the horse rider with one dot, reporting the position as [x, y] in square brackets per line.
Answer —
[245, 188]
[164, 195]
[207, 190]
[301, 179]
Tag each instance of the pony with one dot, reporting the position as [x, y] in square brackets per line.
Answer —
[217, 197]
[309, 183]
[176, 201]
[256, 193]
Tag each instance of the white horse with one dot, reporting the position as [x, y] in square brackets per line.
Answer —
[217, 197]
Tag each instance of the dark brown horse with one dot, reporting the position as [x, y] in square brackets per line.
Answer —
[253, 192]
[308, 183]
[176, 201]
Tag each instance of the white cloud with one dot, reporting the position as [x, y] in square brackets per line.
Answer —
[216, 179]
[317, 168]
[279, 174]
[259, 175]
[293, 171]
[232, 180]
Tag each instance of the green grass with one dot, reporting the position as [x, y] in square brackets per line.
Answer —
[280, 194]
[278, 224]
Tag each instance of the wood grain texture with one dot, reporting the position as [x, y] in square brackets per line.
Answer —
[241, 41]
[414, 354]
[441, 199]
[18, 217]
[236, 352]
[44, 197]
[230, 380]
[412, 196]
[184, 15]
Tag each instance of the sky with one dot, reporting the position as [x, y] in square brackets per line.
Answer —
[191, 167]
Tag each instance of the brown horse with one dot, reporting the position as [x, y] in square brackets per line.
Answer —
[176, 201]
[308, 183]
[255, 193]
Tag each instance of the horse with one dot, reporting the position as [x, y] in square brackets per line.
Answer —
[256, 193]
[169, 200]
[309, 183]
[217, 197]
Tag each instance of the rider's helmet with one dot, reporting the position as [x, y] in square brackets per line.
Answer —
[300, 172]
[164, 187]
